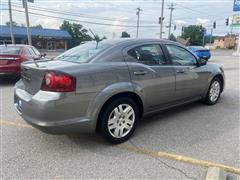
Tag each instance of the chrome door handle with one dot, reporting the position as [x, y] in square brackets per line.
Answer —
[141, 72]
[180, 71]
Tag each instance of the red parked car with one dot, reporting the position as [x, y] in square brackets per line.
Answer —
[11, 56]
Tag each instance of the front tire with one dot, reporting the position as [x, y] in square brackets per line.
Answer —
[119, 119]
[214, 92]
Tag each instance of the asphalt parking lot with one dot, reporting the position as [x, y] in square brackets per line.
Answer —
[196, 130]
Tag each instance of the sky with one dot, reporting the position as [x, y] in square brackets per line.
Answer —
[120, 15]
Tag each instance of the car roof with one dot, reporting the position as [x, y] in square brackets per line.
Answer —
[135, 40]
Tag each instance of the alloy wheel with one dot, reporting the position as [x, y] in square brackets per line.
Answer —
[121, 120]
[214, 91]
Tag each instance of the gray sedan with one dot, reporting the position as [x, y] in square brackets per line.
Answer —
[109, 86]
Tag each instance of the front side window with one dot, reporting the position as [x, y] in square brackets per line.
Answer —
[148, 54]
[180, 56]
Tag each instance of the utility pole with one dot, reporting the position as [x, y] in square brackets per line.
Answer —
[161, 22]
[138, 14]
[171, 7]
[11, 22]
[211, 38]
[25, 4]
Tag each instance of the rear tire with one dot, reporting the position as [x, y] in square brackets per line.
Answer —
[119, 119]
[214, 92]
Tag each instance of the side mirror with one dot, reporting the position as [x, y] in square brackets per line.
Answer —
[201, 62]
[43, 55]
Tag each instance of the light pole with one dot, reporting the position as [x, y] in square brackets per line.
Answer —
[138, 14]
[25, 4]
[161, 21]
[11, 22]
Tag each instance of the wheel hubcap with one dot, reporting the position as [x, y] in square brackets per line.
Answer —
[121, 120]
[214, 91]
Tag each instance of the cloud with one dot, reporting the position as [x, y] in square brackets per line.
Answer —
[48, 22]
[180, 22]
[201, 21]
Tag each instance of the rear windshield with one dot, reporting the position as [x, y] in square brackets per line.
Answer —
[9, 50]
[83, 53]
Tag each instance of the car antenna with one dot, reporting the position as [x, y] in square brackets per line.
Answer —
[35, 62]
[96, 38]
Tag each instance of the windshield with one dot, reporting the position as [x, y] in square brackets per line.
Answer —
[9, 50]
[83, 53]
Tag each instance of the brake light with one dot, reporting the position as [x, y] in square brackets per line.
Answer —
[58, 82]
[20, 58]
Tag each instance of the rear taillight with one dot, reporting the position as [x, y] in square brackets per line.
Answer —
[58, 82]
[21, 58]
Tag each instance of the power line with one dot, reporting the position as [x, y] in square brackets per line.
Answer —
[87, 22]
[77, 14]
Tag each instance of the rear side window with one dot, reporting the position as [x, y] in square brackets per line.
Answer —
[36, 51]
[31, 52]
[151, 54]
[9, 50]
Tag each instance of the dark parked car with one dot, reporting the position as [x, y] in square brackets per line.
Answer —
[11, 56]
[107, 87]
[200, 52]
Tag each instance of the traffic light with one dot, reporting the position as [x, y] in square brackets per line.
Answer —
[227, 21]
[214, 25]
[175, 27]
[160, 20]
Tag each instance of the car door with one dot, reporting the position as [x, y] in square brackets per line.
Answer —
[151, 73]
[190, 78]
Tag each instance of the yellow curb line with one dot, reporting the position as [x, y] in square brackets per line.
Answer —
[180, 158]
[155, 154]
[20, 125]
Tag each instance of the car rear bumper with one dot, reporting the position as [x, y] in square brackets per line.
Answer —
[10, 70]
[45, 111]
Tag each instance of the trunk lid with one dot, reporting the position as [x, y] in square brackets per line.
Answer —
[32, 76]
[9, 59]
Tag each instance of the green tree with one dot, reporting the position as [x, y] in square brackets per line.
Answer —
[77, 32]
[13, 23]
[38, 26]
[125, 35]
[172, 38]
[195, 33]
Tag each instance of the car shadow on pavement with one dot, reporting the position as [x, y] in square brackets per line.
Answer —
[95, 138]
[8, 81]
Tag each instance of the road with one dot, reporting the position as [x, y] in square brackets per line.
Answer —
[196, 130]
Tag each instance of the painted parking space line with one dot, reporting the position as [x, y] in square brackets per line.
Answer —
[165, 155]
[11, 123]
[180, 158]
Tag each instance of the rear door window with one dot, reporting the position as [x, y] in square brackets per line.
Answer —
[151, 54]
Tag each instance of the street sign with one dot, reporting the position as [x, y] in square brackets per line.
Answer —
[236, 5]
[236, 20]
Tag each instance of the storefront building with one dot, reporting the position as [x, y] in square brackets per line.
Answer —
[43, 39]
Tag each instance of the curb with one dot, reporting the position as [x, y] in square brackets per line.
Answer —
[215, 173]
